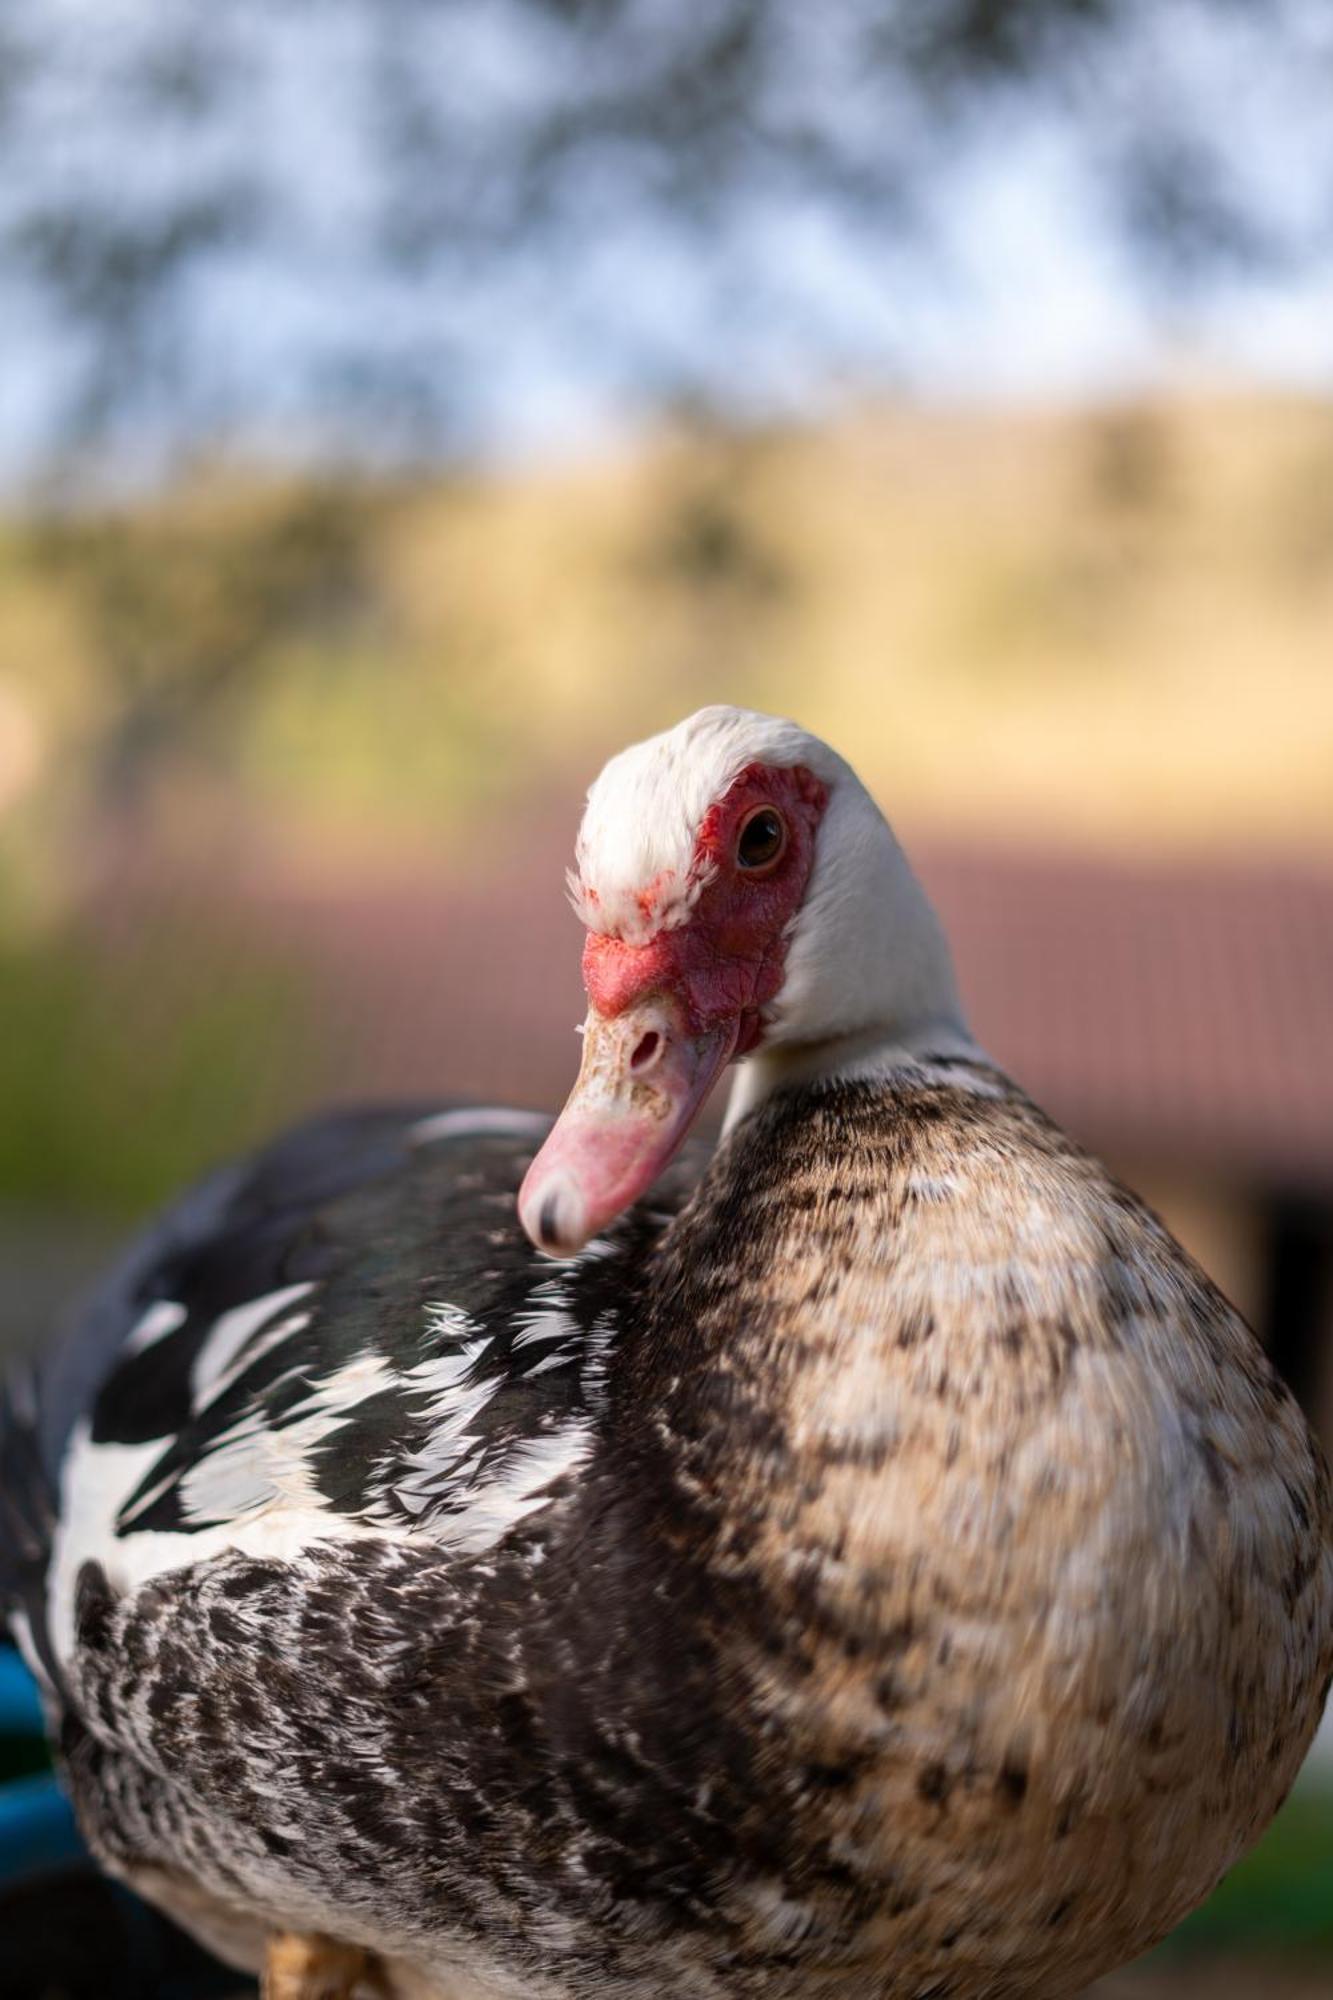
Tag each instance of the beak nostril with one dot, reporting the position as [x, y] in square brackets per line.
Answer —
[648, 1049]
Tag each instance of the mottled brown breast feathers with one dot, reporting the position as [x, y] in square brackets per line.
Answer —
[1025, 1544]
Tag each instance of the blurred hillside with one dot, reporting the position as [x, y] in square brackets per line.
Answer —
[1109, 627]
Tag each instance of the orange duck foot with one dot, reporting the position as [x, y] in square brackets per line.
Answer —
[304, 1966]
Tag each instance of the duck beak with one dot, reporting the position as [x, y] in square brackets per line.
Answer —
[642, 1082]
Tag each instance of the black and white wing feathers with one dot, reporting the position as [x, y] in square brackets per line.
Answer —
[348, 1336]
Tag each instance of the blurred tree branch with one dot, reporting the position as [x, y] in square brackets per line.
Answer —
[463, 137]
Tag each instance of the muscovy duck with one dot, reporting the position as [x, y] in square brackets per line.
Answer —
[873, 1561]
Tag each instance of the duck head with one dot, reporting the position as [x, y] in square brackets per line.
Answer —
[744, 900]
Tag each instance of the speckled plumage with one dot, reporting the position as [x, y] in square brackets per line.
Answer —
[941, 1605]
[878, 1565]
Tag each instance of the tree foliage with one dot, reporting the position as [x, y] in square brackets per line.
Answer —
[433, 161]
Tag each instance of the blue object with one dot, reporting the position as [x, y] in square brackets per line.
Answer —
[37, 1830]
[20, 1709]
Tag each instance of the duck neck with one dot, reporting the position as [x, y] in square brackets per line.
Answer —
[857, 1057]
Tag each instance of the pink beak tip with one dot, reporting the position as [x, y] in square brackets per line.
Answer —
[552, 1212]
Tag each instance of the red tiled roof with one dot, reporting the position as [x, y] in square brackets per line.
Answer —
[1183, 1011]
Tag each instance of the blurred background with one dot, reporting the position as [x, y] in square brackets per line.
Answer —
[405, 403]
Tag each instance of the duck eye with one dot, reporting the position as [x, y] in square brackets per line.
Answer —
[762, 838]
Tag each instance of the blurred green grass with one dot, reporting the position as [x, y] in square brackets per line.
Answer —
[1280, 1897]
[121, 1067]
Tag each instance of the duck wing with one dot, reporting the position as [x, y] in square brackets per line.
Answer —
[348, 1335]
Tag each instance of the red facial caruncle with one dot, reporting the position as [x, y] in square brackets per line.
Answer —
[667, 1014]
[726, 960]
